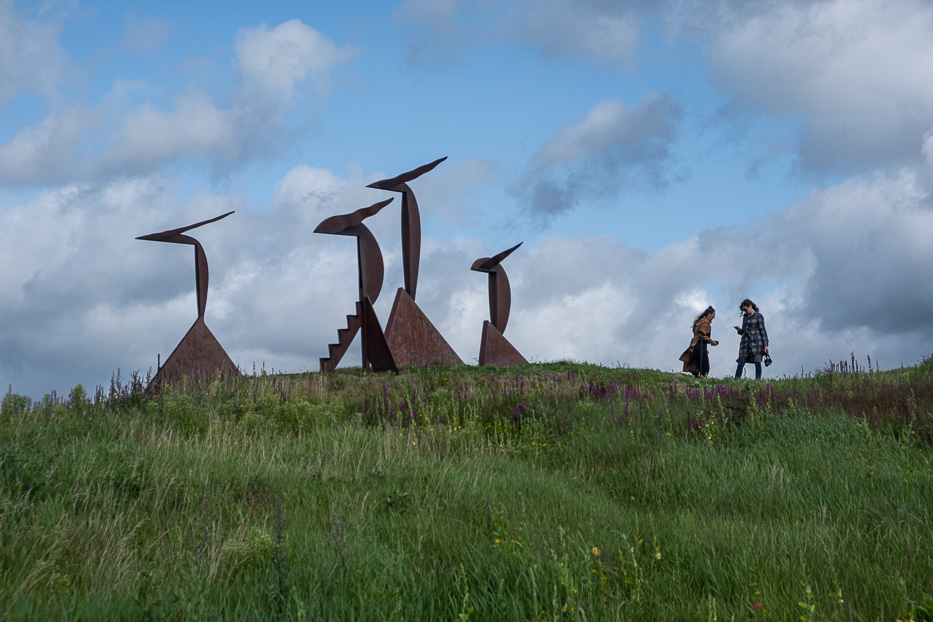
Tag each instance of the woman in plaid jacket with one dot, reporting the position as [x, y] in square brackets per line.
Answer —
[754, 344]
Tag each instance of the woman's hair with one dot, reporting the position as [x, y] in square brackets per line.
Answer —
[709, 310]
[747, 303]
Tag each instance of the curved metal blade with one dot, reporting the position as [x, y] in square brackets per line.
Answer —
[388, 184]
[485, 264]
[336, 224]
[164, 235]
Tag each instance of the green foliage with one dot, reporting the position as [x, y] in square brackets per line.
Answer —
[14, 404]
[561, 491]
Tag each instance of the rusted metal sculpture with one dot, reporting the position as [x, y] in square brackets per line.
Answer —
[199, 352]
[375, 350]
[411, 221]
[411, 336]
[494, 348]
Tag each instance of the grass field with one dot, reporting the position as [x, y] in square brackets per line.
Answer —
[558, 491]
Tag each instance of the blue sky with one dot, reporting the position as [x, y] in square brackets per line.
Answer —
[654, 157]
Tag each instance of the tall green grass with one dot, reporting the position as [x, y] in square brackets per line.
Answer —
[553, 492]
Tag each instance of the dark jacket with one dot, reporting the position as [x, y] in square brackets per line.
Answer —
[754, 337]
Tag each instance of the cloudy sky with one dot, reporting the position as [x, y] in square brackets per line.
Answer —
[654, 157]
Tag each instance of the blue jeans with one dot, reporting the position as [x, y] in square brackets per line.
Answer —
[741, 367]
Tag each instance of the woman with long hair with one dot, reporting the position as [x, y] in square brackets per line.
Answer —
[754, 344]
[696, 356]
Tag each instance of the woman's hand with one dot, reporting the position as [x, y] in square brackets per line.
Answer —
[737, 329]
[715, 343]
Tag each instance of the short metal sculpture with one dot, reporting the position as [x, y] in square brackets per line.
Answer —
[494, 348]
[375, 350]
[199, 352]
[411, 336]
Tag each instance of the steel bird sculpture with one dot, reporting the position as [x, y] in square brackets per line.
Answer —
[411, 221]
[411, 336]
[199, 352]
[375, 350]
[494, 348]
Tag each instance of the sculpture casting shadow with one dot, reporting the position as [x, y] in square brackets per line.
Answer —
[199, 353]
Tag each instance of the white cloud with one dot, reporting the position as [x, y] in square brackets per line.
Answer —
[79, 142]
[50, 150]
[274, 61]
[855, 72]
[307, 186]
[149, 137]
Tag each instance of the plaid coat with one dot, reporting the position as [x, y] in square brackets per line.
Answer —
[754, 337]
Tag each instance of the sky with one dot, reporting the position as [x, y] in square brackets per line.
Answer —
[654, 157]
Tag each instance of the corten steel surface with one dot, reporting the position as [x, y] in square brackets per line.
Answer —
[199, 352]
[500, 293]
[412, 337]
[375, 344]
[411, 221]
[374, 350]
[494, 348]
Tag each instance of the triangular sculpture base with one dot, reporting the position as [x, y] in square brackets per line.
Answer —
[198, 354]
[412, 337]
[374, 344]
[494, 349]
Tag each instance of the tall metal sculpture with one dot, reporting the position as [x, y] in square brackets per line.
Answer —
[375, 350]
[411, 336]
[199, 352]
[494, 348]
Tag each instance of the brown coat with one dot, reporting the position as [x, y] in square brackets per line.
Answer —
[701, 330]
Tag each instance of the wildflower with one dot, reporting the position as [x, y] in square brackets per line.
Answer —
[595, 551]
[756, 606]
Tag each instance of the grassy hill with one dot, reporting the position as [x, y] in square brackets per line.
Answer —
[557, 491]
